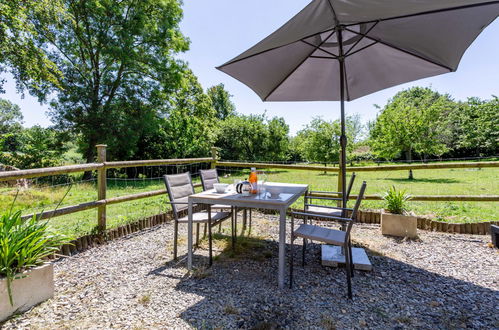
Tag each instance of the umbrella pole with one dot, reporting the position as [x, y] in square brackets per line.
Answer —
[343, 137]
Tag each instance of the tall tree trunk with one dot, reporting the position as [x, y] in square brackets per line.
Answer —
[408, 155]
[90, 158]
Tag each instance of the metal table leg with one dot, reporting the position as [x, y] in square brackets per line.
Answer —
[282, 246]
[189, 236]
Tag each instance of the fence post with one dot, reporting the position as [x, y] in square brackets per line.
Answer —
[101, 186]
[214, 155]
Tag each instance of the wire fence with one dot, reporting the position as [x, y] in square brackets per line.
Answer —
[45, 193]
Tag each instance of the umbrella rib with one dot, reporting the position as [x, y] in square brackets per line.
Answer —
[336, 21]
[426, 13]
[296, 68]
[363, 36]
[361, 49]
[273, 48]
[322, 49]
[405, 51]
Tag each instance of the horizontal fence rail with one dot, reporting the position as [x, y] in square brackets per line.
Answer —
[361, 168]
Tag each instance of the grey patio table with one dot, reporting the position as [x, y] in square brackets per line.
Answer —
[289, 194]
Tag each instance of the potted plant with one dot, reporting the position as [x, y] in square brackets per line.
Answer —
[395, 220]
[25, 278]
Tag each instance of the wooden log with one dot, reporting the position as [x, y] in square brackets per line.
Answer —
[84, 243]
[101, 187]
[65, 250]
[474, 228]
[40, 172]
[468, 228]
[364, 168]
[486, 226]
[78, 244]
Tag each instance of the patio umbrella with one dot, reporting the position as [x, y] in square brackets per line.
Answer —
[337, 50]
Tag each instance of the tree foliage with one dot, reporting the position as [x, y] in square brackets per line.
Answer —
[119, 69]
[253, 138]
[221, 101]
[476, 126]
[319, 141]
[413, 121]
[185, 130]
[21, 22]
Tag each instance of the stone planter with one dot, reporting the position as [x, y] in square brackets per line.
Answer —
[399, 225]
[35, 286]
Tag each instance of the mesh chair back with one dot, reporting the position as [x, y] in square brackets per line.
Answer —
[209, 178]
[179, 187]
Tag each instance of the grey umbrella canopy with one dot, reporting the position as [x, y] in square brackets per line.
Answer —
[337, 50]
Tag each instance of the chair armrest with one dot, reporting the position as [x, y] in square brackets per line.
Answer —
[325, 198]
[325, 192]
[322, 216]
[329, 207]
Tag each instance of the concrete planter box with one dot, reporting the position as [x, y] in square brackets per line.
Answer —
[399, 225]
[35, 286]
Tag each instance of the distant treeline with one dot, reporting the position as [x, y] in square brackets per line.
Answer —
[415, 124]
[111, 74]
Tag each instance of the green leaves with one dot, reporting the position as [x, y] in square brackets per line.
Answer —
[24, 244]
[396, 201]
[413, 121]
[253, 138]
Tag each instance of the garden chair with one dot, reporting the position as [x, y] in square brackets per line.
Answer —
[327, 235]
[208, 179]
[310, 206]
[179, 188]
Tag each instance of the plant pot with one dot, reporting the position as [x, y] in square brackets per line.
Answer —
[28, 289]
[399, 225]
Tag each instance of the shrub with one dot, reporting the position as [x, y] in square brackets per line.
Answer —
[24, 244]
[396, 200]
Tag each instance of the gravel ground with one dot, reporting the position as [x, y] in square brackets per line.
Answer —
[440, 281]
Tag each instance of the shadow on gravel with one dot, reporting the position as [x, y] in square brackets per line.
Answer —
[240, 291]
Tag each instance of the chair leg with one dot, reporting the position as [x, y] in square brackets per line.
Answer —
[352, 266]
[233, 215]
[348, 271]
[235, 226]
[291, 254]
[197, 234]
[210, 236]
[303, 252]
[175, 238]
[250, 221]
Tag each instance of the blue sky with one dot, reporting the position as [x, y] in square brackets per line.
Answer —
[221, 29]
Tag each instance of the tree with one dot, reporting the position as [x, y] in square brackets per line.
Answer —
[413, 121]
[477, 123]
[11, 119]
[321, 141]
[253, 138]
[117, 57]
[221, 101]
[20, 22]
[185, 130]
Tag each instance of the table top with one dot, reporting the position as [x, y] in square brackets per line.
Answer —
[288, 195]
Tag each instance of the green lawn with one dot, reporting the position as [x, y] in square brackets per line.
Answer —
[426, 182]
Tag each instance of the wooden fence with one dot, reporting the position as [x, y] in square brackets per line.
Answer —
[102, 165]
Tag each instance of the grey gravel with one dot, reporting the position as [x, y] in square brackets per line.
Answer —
[440, 281]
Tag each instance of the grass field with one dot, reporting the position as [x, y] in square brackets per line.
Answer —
[426, 182]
